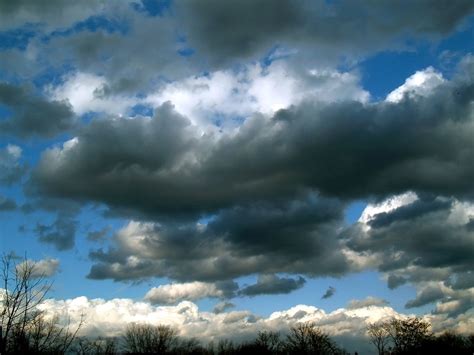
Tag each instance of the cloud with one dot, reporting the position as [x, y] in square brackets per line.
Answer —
[329, 293]
[11, 169]
[367, 302]
[252, 28]
[221, 307]
[98, 234]
[110, 318]
[41, 268]
[7, 204]
[225, 95]
[241, 241]
[61, 233]
[364, 140]
[426, 296]
[272, 284]
[32, 115]
[421, 83]
[347, 326]
[190, 291]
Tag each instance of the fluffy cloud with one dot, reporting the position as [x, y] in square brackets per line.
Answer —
[190, 291]
[226, 97]
[421, 83]
[346, 326]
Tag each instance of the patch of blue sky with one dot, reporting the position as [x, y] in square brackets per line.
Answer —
[354, 211]
[387, 70]
[18, 38]
[92, 24]
[347, 289]
[153, 8]
[141, 110]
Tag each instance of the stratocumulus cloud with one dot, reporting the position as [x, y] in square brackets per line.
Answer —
[235, 153]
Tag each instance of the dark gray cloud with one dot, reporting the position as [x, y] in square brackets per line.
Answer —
[272, 284]
[427, 295]
[98, 235]
[381, 148]
[461, 281]
[294, 237]
[329, 293]
[221, 307]
[231, 30]
[7, 204]
[61, 233]
[395, 281]
[33, 115]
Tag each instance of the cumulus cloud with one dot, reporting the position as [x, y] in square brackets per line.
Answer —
[271, 158]
[272, 284]
[110, 318]
[222, 307]
[241, 241]
[190, 291]
[32, 115]
[329, 292]
[421, 83]
[41, 268]
[222, 99]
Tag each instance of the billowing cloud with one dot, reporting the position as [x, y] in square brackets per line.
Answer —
[190, 291]
[347, 326]
[272, 284]
[271, 158]
[222, 307]
[32, 115]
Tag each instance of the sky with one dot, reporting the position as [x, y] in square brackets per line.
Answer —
[227, 166]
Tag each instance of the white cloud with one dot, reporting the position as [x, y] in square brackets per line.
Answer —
[85, 93]
[388, 205]
[41, 268]
[228, 94]
[172, 293]
[421, 83]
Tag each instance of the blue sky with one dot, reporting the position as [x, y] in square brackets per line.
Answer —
[166, 151]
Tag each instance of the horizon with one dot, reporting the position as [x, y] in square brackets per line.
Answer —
[225, 167]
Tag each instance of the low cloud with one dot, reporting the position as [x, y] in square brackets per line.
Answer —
[191, 291]
[367, 302]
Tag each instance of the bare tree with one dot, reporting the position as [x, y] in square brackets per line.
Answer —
[307, 338]
[150, 339]
[23, 328]
[379, 337]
